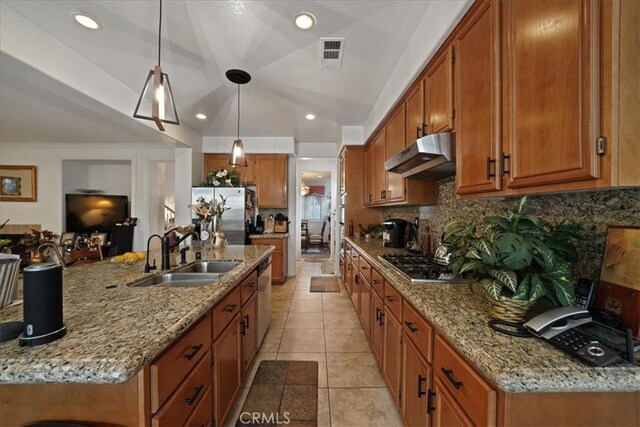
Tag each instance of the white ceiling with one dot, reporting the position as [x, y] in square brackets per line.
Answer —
[201, 40]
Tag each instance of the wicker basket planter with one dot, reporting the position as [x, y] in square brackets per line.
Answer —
[509, 309]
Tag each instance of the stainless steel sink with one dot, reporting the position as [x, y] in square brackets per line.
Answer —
[179, 280]
[205, 267]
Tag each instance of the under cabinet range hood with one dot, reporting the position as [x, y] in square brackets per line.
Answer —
[432, 156]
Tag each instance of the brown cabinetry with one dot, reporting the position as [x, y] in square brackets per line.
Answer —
[378, 175]
[365, 303]
[395, 141]
[439, 110]
[447, 412]
[249, 331]
[414, 113]
[417, 398]
[392, 358]
[279, 258]
[227, 368]
[217, 161]
[377, 328]
[369, 177]
[271, 181]
[353, 164]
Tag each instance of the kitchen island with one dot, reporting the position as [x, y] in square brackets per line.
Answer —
[116, 331]
[514, 372]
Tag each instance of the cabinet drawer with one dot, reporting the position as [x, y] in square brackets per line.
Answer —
[472, 392]
[187, 397]
[248, 287]
[278, 243]
[418, 330]
[377, 283]
[393, 300]
[170, 368]
[202, 415]
[225, 311]
[365, 269]
[355, 256]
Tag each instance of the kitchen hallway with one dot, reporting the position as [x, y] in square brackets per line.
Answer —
[324, 327]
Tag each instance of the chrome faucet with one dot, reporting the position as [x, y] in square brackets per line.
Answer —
[55, 250]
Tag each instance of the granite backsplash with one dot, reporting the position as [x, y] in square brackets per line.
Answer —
[595, 210]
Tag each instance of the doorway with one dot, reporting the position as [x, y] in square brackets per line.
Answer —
[315, 215]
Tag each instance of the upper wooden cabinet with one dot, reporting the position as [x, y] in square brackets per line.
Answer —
[552, 56]
[217, 161]
[478, 114]
[394, 143]
[271, 180]
[354, 164]
[439, 109]
[378, 175]
[414, 113]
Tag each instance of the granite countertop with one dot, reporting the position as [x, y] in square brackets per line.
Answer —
[269, 236]
[460, 314]
[113, 333]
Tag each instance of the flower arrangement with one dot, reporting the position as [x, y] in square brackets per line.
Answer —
[31, 241]
[203, 209]
[218, 209]
[223, 178]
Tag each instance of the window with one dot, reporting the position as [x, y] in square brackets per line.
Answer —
[313, 207]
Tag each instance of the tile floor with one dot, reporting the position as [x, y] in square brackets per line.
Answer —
[324, 327]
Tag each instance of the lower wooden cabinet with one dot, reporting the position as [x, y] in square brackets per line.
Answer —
[279, 258]
[417, 398]
[392, 354]
[227, 369]
[447, 412]
[202, 415]
[377, 328]
[365, 304]
[249, 332]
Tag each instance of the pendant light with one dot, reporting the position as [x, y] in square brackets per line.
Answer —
[156, 100]
[237, 157]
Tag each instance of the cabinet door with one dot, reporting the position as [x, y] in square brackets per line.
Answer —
[416, 377]
[478, 115]
[355, 286]
[394, 140]
[227, 368]
[414, 111]
[377, 328]
[379, 174]
[249, 331]
[277, 266]
[392, 354]
[447, 412]
[271, 181]
[365, 304]
[551, 84]
[343, 172]
[369, 175]
[348, 275]
[217, 161]
[439, 94]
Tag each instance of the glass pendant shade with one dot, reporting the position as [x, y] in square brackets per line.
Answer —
[156, 100]
[237, 158]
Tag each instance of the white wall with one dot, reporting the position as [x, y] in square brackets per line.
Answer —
[252, 144]
[48, 159]
[111, 178]
[316, 150]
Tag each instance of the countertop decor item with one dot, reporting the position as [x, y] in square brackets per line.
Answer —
[156, 100]
[238, 158]
[223, 178]
[517, 259]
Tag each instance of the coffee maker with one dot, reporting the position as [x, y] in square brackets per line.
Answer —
[395, 228]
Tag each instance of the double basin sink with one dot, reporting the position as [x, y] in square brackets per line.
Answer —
[194, 275]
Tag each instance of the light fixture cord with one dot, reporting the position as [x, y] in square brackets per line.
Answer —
[159, 32]
[238, 111]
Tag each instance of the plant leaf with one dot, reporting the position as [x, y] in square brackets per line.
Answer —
[456, 263]
[470, 266]
[522, 292]
[506, 277]
[518, 259]
[537, 288]
[562, 247]
[493, 287]
[499, 221]
[546, 254]
[473, 253]
[481, 245]
[508, 242]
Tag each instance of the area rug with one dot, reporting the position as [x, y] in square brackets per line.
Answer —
[324, 284]
[315, 258]
[282, 393]
[327, 267]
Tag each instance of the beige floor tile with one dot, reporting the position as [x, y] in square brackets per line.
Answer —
[321, 358]
[306, 294]
[324, 416]
[330, 296]
[353, 370]
[346, 341]
[339, 305]
[304, 278]
[302, 341]
[278, 319]
[235, 412]
[362, 407]
[306, 306]
[297, 320]
[341, 319]
[254, 368]
[271, 341]
[280, 305]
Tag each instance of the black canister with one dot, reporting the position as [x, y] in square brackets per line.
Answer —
[42, 304]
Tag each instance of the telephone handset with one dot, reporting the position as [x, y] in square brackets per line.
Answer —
[555, 321]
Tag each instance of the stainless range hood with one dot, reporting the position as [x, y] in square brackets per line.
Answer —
[432, 156]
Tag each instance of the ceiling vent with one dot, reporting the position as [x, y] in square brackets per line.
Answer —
[331, 52]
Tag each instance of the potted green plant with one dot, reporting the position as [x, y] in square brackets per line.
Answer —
[223, 178]
[517, 259]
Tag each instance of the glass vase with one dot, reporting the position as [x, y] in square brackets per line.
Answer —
[206, 233]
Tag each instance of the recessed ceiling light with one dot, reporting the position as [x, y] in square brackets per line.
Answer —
[310, 116]
[319, 176]
[201, 116]
[304, 20]
[86, 21]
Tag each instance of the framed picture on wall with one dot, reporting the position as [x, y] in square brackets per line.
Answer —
[17, 183]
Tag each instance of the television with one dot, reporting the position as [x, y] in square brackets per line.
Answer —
[87, 213]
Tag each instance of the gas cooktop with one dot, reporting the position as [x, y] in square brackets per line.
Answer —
[419, 268]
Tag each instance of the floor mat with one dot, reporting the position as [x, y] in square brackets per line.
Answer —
[282, 392]
[315, 258]
[327, 267]
[324, 284]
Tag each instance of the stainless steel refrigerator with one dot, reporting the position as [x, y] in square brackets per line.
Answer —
[241, 201]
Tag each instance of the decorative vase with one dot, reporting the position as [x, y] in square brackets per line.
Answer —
[509, 309]
[205, 231]
[219, 240]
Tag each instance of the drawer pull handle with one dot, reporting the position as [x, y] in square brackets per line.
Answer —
[230, 307]
[389, 298]
[421, 380]
[196, 392]
[195, 350]
[246, 321]
[378, 314]
[364, 267]
[430, 396]
[449, 374]
[357, 278]
[376, 281]
[381, 318]
[411, 328]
